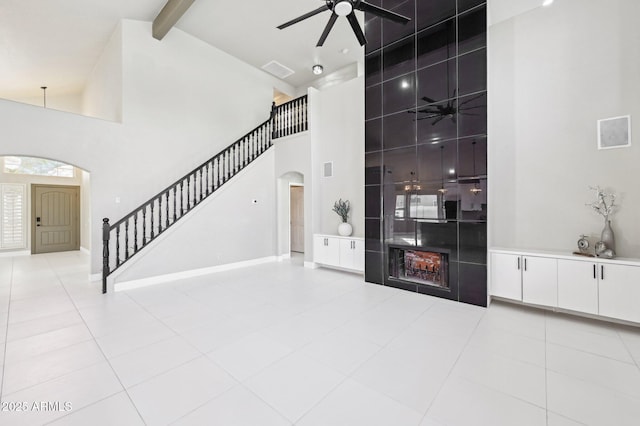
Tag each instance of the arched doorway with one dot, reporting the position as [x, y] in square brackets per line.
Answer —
[45, 205]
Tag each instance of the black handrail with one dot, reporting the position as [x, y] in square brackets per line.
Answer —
[155, 217]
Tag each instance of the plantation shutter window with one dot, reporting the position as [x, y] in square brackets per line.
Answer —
[12, 211]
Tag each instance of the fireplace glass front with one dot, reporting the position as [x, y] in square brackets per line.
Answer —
[419, 266]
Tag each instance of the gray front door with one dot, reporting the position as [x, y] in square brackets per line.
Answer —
[55, 218]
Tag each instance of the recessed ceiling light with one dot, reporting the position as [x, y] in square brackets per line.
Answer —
[404, 84]
[547, 2]
[452, 171]
[317, 69]
[345, 51]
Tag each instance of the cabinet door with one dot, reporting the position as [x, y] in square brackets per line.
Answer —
[326, 250]
[319, 249]
[346, 254]
[506, 277]
[540, 280]
[578, 286]
[332, 251]
[352, 254]
[358, 255]
[619, 291]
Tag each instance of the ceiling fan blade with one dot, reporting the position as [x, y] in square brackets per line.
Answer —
[428, 99]
[303, 17]
[355, 25]
[383, 13]
[426, 117]
[437, 120]
[327, 29]
[470, 100]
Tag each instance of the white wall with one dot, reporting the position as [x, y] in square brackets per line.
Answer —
[183, 100]
[85, 210]
[102, 96]
[553, 72]
[68, 102]
[293, 154]
[226, 228]
[338, 137]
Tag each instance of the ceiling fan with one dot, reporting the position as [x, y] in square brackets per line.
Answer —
[347, 8]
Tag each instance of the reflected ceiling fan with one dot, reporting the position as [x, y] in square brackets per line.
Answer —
[448, 110]
[347, 8]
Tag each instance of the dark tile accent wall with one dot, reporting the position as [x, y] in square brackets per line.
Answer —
[426, 140]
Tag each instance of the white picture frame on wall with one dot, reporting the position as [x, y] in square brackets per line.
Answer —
[614, 132]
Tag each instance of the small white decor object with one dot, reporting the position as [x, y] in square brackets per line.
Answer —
[604, 205]
[342, 208]
[345, 229]
[614, 132]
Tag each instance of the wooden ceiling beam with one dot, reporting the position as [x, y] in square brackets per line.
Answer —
[169, 16]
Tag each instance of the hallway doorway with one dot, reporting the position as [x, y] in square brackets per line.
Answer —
[297, 218]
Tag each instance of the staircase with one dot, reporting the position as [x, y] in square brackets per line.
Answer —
[131, 234]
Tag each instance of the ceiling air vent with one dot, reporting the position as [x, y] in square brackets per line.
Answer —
[277, 69]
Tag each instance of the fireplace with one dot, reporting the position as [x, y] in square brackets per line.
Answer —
[419, 265]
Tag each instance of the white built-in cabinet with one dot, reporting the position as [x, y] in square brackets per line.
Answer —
[529, 279]
[602, 287]
[506, 275]
[326, 250]
[578, 285]
[339, 252]
[619, 292]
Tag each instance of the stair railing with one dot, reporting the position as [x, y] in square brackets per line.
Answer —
[128, 236]
[291, 118]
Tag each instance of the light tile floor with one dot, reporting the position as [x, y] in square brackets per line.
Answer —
[279, 344]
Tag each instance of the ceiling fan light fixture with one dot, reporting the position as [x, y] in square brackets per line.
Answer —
[343, 8]
[317, 69]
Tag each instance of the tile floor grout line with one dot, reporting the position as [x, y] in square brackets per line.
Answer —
[624, 343]
[298, 351]
[633, 362]
[546, 372]
[70, 413]
[205, 354]
[96, 342]
[453, 366]
[382, 347]
[6, 332]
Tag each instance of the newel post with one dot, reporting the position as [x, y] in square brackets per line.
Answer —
[106, 230]
[272, 118]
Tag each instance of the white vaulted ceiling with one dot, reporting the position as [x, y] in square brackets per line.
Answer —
[58, 42]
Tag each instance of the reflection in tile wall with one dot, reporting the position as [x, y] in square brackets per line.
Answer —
[426, 140]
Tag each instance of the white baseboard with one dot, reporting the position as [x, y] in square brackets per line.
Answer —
[159, 279]
[95, 277]
[85, 250]
[284, 257]
[15, 253]
[311, 265]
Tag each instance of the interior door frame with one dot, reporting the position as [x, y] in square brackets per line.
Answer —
[32, 219]
[294, 184]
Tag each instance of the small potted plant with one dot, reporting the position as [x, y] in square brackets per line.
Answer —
[342, 208]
